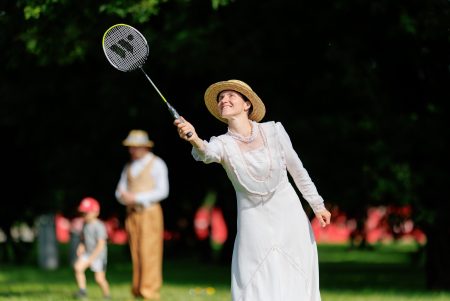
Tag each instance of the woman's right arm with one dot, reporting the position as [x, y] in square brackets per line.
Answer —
[202, 150]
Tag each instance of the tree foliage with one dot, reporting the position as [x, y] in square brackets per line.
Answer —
[361, 87]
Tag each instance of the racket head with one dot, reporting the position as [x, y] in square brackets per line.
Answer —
[125, 47]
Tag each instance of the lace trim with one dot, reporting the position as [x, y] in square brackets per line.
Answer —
[231, 159]
[248, 139]
[318, 207]
[267, 154]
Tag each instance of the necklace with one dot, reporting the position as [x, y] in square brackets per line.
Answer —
[264, 177]
[241, 138]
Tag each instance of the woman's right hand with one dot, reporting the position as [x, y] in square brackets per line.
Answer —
[184, 128]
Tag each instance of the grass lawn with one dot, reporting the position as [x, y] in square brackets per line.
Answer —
[383, 274]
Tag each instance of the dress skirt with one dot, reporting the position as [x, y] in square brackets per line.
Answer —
[275, 253]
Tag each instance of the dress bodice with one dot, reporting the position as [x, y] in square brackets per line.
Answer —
[257, 172]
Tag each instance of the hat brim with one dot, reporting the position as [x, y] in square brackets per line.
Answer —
[131, 144]
[211, 94]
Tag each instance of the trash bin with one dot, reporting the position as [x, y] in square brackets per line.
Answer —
[47, 243]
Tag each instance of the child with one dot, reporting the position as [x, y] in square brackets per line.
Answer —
[92, 249]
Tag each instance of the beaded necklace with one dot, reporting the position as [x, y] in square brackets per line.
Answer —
[241, 138]
[263, 178]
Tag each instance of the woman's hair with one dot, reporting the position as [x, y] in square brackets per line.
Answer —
[250, 110]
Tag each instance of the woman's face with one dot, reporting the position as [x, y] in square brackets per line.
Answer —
[231, 103]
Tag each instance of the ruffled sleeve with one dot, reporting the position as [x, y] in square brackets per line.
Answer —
[212, 151]
[298, 173]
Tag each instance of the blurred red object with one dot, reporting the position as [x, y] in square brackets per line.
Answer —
[116, 232]
[62, 226]
[377, 225]
[219, 232]
[202, 220]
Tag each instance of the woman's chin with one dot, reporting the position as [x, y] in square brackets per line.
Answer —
[225, 115]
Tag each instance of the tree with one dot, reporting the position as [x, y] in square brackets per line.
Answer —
[361, 87]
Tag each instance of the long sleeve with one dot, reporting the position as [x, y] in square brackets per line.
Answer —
[122, 185]
[212, 151]
[298, 173]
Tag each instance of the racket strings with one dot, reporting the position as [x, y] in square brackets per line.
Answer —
[125, 48]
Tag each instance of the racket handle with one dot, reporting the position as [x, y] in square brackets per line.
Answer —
[176, 116]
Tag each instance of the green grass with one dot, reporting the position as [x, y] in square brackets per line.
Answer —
[383, 274]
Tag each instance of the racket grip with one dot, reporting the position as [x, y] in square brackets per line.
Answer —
[175, 115]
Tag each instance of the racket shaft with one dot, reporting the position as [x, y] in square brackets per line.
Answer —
[154, 86]
[172, 110]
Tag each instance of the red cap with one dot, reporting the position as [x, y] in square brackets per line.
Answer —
[89, 205]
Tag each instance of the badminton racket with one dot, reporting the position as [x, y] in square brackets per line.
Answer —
[127, 50]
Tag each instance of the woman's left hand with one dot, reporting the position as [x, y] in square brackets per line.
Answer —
[324, 217]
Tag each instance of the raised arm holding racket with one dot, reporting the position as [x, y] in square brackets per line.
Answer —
[127, 50]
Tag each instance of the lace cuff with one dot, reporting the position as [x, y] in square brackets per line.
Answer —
[211, 151]
[198, 154]
[318, 207]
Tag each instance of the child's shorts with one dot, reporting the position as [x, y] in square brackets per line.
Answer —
[98, 265]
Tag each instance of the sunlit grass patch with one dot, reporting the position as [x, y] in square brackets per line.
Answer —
[384, 273]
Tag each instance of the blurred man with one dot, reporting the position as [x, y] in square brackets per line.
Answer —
[142, 185]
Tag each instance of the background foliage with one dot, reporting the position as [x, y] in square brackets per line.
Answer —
[362, 88]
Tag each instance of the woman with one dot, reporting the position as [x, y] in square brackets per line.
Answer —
[275, 254]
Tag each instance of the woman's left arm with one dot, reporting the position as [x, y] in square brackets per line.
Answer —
[301, 177]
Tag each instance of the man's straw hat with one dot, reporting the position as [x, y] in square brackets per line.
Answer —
[137, 138]
[213, 91]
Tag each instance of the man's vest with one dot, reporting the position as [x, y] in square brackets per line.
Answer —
[141, 182]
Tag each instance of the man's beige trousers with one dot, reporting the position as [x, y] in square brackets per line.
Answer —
[145, 233]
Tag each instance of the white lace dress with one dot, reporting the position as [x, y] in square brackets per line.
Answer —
[275, 253]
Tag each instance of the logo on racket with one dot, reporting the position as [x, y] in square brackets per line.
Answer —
[126, 46]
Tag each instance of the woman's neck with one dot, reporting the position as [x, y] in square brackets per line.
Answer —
[241, 126]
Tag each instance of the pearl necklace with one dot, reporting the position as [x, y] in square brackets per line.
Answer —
[264, 177]
[241, 138]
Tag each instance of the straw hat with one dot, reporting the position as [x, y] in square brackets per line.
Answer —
[213, 91]
[137, 138]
